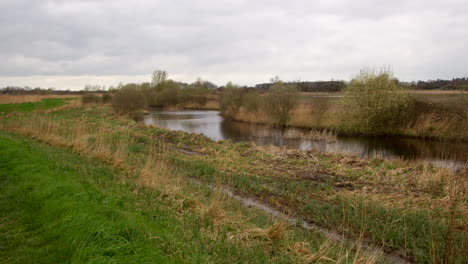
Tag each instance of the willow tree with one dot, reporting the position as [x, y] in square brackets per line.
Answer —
[280, 100]
[375, 103]
[231, 100]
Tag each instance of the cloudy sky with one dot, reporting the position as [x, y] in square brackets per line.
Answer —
[69, 43]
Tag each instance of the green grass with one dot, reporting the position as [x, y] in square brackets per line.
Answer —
[59, 207]
[45, 104]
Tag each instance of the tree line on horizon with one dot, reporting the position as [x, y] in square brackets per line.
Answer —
[460, 84]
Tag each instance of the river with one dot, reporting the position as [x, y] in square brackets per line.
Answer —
[214, 126]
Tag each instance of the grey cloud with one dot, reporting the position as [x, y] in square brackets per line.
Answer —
[245, 41]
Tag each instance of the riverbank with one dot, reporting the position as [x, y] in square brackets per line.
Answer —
[323, 111]
[412, 208]
[69, 200]
[211, 124]
[430, 127]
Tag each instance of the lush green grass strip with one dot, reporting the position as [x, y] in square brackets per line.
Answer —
[47, 103]
[58, 207]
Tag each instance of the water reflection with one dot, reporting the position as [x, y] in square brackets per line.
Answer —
[211, 124]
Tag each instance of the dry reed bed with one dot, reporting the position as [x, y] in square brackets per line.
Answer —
[399, 181]
[155, 173]
[15, 99]
[329, 116]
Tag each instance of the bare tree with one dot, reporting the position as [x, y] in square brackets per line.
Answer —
[158, 77]
[231, 100]
[280, 100]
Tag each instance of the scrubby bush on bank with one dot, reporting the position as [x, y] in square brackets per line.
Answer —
[196, 93]
[231, 100]
[107, 98]
[168, 94]
[128, 99]
[279, 101]
[90, 98]
[374, 103]
[252, 102]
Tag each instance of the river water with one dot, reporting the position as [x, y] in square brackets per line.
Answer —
[214, 126]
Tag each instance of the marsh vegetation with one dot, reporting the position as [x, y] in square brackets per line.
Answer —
[102, 187]
[396, 205]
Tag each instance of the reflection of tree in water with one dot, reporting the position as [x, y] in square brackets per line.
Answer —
[193, 126]
[407, 148]
[236, 131]
[417, 148]
[262, 135]
[217, 128]
[359, 146]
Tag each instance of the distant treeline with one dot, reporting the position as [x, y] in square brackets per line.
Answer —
[454, 84]
[17, 90]
[319, 86]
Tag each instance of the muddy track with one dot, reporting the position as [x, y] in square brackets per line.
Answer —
[331, 234]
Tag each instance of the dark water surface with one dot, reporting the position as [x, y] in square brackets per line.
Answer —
[211, 124]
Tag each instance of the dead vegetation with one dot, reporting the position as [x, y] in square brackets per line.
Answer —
[16, 99]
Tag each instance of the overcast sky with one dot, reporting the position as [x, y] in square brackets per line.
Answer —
[69, 43]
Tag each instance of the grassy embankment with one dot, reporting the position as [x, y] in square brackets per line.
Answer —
[411, 208]
[95, 193]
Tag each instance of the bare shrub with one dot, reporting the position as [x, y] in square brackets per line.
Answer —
[279, 101]
[90, 98]
[197, 92]
[128, 99]
[168, 94]
[231, 100]
[106, 98]
[252, 102]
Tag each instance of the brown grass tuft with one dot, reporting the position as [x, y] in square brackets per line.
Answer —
[320, 256]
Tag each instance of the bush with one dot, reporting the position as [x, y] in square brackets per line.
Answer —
[168, 94]
[106, 98]
[374, 103]
[320, 107]
[128, 99]
[279, 101]
[231, 100]
[252, 102]
[90, 98]
[197, 92]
